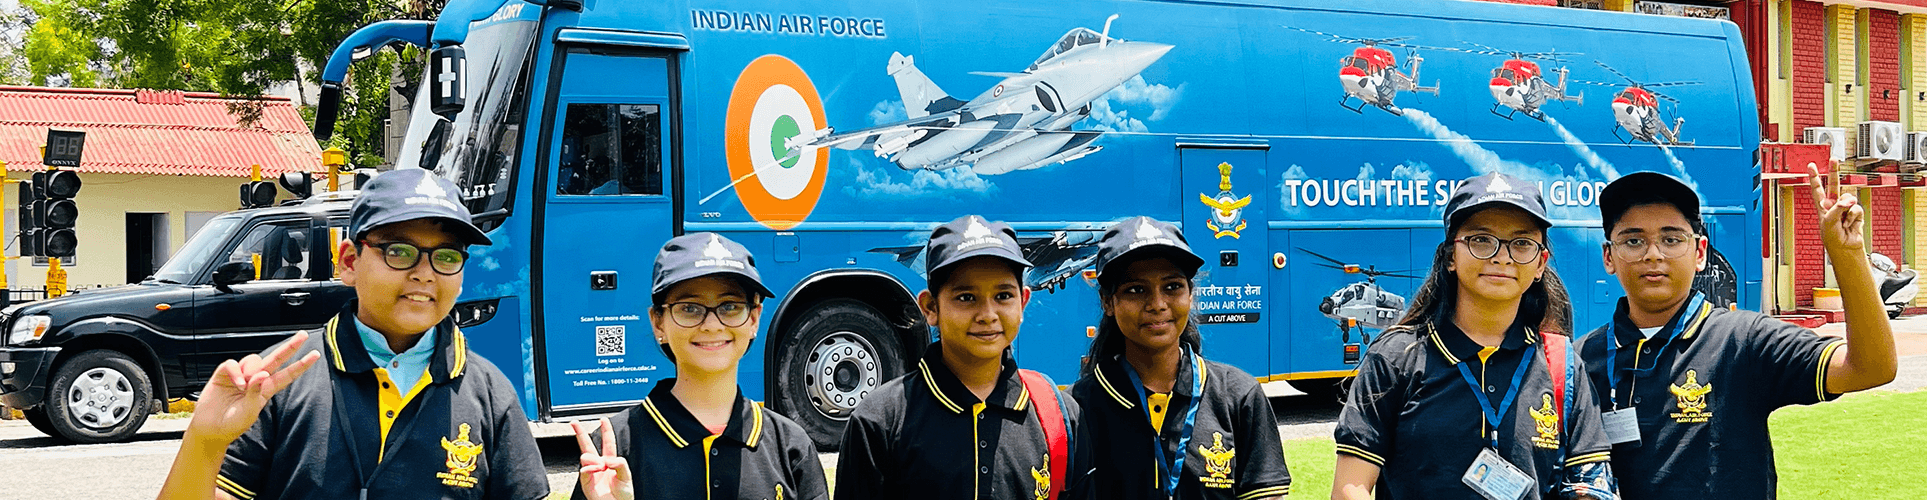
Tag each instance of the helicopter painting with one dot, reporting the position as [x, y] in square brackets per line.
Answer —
[1520, 86]
[1363, 304]
[1372, 75]
[1636, 109]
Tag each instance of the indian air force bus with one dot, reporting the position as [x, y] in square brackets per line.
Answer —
[1304, 147]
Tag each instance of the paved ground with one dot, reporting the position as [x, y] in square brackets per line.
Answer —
[37, 466]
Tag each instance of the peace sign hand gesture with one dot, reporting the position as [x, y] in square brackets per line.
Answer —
[604, 476]
[233, 397]
[1840, 214]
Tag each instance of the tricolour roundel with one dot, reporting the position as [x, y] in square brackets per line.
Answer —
[774, 101]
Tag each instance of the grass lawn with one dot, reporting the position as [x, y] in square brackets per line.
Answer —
[1863, 446]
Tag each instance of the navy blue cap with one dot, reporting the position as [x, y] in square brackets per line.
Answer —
[1482, 192]
[406, 194]
[696, 255]
[1142, 237]
[970, 236]
[1619, 195]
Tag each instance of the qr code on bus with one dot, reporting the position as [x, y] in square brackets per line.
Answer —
[610, 340]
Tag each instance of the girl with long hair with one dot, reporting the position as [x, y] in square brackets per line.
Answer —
[1472, 394]
[1170, 424]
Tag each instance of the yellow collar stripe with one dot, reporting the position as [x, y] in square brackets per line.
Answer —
[460, 345]
[1023, 398]
[1440, 343]
[1705, 310]
[654, 414]
[334, 347]
[931, 380]
[1106, 383]
[756, 431]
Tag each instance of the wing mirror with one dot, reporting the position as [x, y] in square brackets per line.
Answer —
[232, 273]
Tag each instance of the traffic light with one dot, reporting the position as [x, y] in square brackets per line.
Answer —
[298, 184]
[55, 212]
[29, 230]
[257, 193]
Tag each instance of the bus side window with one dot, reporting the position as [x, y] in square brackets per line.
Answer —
[611, 149]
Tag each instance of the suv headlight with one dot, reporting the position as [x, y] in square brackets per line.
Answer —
[29, 328]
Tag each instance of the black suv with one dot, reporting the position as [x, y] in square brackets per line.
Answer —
[89, 366]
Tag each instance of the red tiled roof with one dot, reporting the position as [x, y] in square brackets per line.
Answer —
[156, 132]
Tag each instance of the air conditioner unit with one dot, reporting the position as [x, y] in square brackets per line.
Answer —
[1916, 148]
[1832, 136]
[1880, 141]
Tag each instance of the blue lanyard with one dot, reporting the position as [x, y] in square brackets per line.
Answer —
[1511, 393]
[1693, 306]
[1170, 482]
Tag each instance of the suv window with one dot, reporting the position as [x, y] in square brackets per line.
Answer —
[283, 247]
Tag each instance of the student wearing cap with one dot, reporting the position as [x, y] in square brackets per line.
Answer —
[1196, 429]
[695, 435]
[402, 409]
[1476, 392]
[967, 424]
[1686, 386]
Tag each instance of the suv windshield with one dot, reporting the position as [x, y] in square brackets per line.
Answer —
[198, 251]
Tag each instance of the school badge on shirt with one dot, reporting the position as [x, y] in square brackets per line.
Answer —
[461, 460]
[1217, 462]
[1692, 400]
[1547, 420]
[1042, 475]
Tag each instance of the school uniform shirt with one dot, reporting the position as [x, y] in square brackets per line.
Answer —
[926, 436]
[759, 455]
[1232, 450]
[344, 430]
[1703, 388]
[1412, 413]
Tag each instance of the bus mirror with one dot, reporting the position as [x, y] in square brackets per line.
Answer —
[447, 70]
[324, 116]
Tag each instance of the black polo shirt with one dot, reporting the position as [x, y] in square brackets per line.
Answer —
[760, 455]
[1233, 452]
[1703, 399]
[926, 436]
[462, 436]
[1413, 414]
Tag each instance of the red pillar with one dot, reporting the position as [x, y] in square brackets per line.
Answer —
[1809, 46]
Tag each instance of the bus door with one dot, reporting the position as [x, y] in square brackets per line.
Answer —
[1224, 197]
[607, 208]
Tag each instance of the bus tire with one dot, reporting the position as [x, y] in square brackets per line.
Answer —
[840, 350]
[99, 396]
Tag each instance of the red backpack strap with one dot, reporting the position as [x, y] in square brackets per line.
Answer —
[1555, 345]
[1056, 428]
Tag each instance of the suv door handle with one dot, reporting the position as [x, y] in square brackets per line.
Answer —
[295, 298]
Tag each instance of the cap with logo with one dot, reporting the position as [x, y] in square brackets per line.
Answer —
[1620, 195]
[1486, 191]
[406, 194]
[1138, 238]
[696, 255]
[970, 236]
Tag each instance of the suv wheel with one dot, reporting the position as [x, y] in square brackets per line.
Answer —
[38, 417]
[99, 396]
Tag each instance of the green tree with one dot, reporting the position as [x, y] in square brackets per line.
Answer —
[233, 47]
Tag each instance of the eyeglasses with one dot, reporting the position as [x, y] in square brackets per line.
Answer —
[691, 314]
[1486, 246]
[1671, 246]
[403, 256]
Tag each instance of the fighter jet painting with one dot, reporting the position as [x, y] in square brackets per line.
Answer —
[1021, 123]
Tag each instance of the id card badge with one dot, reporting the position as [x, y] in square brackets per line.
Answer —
[1622, 426]
[1496, 479]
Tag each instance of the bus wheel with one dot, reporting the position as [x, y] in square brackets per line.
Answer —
[840, 352]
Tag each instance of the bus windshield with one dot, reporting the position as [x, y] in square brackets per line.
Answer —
[478, 149]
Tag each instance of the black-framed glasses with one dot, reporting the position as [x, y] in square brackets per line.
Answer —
[1671, 245]
[404, 256]
[1486, 246]
[690, 314]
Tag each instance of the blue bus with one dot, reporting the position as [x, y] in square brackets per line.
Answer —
[1304, 147]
